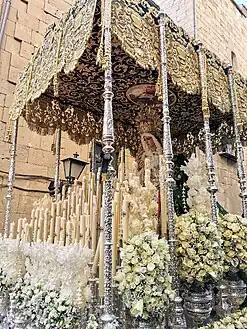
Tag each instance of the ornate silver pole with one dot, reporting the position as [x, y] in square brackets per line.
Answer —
[208, 142]
[239, 146]
[11, 178]
[58, 153]
[177, 319]
[108, 317]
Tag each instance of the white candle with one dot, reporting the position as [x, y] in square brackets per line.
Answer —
[101, 263]
[19, 227]
[45, 225]
[12, 230]
[68, 233]
[62, 230]
[82, 230]
[57, 229]
[125, 220]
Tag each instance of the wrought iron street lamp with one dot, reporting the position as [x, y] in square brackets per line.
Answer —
[73, 167]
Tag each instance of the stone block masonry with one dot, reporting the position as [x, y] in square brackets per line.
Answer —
[221, 26]
[24, 32]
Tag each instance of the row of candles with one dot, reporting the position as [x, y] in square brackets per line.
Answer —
[77, 217]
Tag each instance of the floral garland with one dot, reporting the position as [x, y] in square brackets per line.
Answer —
[199, 250]
[236, 320]
[144, 282]
[233, 231]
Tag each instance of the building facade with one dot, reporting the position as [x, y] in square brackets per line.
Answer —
[221, 26]
[35, 162]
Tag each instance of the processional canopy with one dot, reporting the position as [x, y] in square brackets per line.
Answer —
[62, 85]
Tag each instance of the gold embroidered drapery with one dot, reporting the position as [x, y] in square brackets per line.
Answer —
[70, 51]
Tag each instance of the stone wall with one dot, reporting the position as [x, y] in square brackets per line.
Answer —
[35, 160]
[180, 11]
[221, 26]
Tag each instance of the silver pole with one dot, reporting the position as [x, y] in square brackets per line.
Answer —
[239, 146]
[208, 142]
[58, 153]
[108, 140]
[177, 319]
[11, 178]
[195, 18]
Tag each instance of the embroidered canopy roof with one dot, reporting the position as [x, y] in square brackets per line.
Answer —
[64, 69]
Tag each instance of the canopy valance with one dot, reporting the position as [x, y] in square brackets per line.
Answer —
[62, 85]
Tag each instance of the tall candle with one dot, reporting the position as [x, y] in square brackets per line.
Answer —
[114, 235]
[57, 229]
[73, 228]
[45, 225]
[101, 263]
[19, 227]
[94, 225]
[65, 208]
[52, 228]
[33, 214]
[39, 234]
[37, 213]
[59, 208]
[163, 199]
[73, 203]
[27, 229]
[35, 231]
[96, 258]
[62, 230]
[125, 220]
[82, 230]
[68, 233]
[77, 228]
[63, 192]
[12, 230]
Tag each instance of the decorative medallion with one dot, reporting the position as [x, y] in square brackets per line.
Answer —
[146, 94]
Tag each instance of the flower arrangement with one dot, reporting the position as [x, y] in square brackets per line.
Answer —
[46, 283]
[31, 304]
[12, 261]
[66, 268]
[92, 323]
[143, 209]
[199, 252]
[233, 231]
[198, 196]
[237, 320]
[144, 282]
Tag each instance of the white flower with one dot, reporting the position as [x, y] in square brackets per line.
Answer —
[199, 245]
[234, 236]
[145, 286]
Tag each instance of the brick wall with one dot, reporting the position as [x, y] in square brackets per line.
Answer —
[24, 32]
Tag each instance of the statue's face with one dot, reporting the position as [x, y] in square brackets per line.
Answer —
[150, 144]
